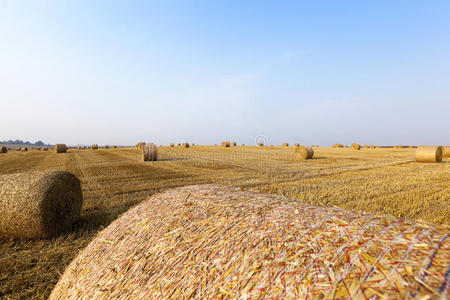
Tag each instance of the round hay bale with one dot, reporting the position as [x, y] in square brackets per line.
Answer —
[225, 144]
[261, 144]
[372, 147]
[149, 152]
[60, 148]
[94, 146]
[185, 145]
[356, 146]
[106, 147]
[114, 147]
[3, 150]
[243, 145]
[209, 242]
[429, 154]
[296, 145]
[38, 204]
[285, 144]
[178, 144]
[446, 151]
[24, 149]
[302, 152]
[233, 144]
[45, 149]
[18, 149]
[172, 145]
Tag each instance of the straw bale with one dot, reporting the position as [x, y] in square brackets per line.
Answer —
[24, 149]
[285, 144]
[372, 146]
[38, 204]
[172, 145]
[209, 242]
[233, 144]
[60, 148]
[149, 152]
[185, 145]
[260, 144]
[106, 147]
[302, 152]
[446, 151]
[429, 154]
[356, 146]
[296, 145]
[225, 144]
[45, 149]
[3, 150]
[94, 146]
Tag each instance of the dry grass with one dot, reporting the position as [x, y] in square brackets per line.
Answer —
[38, 204]
[383, 180]
[209, 242]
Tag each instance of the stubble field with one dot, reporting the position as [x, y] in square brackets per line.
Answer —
[385, 181]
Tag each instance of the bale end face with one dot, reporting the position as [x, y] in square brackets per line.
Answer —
[185, 145]
[38, 204]
[356, 146]
[3, 150]
[225, 144]
[430, 154]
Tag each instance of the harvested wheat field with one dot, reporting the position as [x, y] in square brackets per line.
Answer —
[383, 181]
[220, 242]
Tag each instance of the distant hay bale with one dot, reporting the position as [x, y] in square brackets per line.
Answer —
[185, 145]
[172, 145]
[429, 154]
[209, 242]
[296, 145]
[356, 146]
[3, 150]
[225, 144]
[302, 152]
[45, 149]
[243, 145]
[365, 146]
[24, 149]
[38, 204]
[18, 149]
[446, 151]
[338, 146]
[285, 144]
[233, 144]
[94, 146]
[149, 152]
[372, 147]
[60, 148]
[114, 147]
[261, 144]
[106, 147]
[179, 145]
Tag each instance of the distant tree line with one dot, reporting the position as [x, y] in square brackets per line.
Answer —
[20, 142]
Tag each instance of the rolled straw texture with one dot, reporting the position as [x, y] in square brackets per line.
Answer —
[429, 154]
[38, 204]
[210, 242]
[302, 152]
[149, 152]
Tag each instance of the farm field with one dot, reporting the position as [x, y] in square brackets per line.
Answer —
[385, 181]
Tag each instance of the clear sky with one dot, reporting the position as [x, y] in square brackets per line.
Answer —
[313, 72]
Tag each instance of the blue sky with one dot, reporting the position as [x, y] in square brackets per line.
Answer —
[313, 72]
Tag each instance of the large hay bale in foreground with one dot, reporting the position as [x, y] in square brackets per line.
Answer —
[446, 151]
[302, 152]
[356, 146]
[429, 154]
[208, 242]
[60, 148]
[225, 144]
[38, 204]
[149, 152]
[3, 150]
